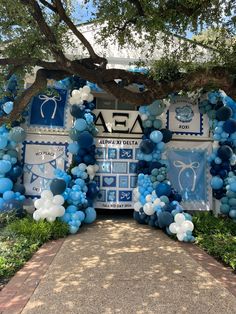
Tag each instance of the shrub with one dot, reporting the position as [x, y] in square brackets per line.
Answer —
[21, 238]
[216, 235]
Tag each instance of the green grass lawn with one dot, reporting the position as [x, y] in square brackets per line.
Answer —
[217, 236]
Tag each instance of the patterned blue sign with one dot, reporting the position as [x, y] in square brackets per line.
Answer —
[187, 173]
[49, 110]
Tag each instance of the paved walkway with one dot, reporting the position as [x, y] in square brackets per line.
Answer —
[118, 266]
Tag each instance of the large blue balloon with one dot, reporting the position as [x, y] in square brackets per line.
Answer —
[216, 183]
[165, 219]
[90, 215]
[85, 139]
[163, 189]
[17, 134]
[5, 185]
[229, 126]
[156, 136]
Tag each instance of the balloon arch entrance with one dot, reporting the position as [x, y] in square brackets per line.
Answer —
[72, 194]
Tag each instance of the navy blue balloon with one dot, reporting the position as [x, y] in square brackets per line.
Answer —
[57, 186]
[85, 139]
[225, 152]
[229, 126]
[147, 146]
[165, 219]
[224, 113]
[92, 190]
[163, 189]
[15, 172]
[76, 112]
[167, 135]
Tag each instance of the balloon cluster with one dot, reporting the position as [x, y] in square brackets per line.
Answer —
[49, 206]
[155, 202]
[11, 193]
[182, 227]
[78, 188]
[81, 95]
[223, 159]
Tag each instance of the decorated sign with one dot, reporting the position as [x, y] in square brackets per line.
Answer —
[116, 176]
[184, 118]
[188, 173]
[50, 112]
[41, 156]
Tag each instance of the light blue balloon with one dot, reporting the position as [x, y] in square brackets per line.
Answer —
[5, 166]
[3, 142]
[71, 209]
[73, 229]
[7, 107]
[90, 215]
[5, 185]
[73, 148]
[217, 183]
[80, 125]
[232, 213]
[156, 136]
[81, 215]
[233, 186]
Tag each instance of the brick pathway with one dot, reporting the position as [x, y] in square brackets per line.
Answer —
[15, 295]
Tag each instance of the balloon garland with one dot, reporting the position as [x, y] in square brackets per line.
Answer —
[11, 192]
[156, 202]
[71, 195]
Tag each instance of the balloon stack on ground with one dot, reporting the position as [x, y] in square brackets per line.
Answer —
[156, 202]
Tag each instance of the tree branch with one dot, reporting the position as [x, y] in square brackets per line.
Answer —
[40, 83]
[45, 29]
[62, 13]
[48, 5]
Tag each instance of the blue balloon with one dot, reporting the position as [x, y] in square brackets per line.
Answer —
[5, 185]
[81, 215]
[5, 166]
[8, 195]
[3, 142]
[73, 229]
[73, 148]
[232, 213]
[85, 139]
[90, 215]
[7, 107]
[216, 183]
[156, 136]
[163, 189]
[80, 125]
[165, 219]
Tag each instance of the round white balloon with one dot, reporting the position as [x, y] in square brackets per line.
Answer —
[179, 218]
[148, 209]
[46, 194]
[58, 200]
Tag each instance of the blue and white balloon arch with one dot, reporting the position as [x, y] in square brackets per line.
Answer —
[72, 194]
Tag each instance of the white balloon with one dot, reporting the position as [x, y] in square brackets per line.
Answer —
[75, 92]
[87, 89]
[180, 236]
[179, 218]
[51, 218]
[58, 200]
[148, 209]
[36, 215]
[148, 198]
[38, 203]
[46, 194]
[157, 201]
[173, 227]
[84, 96]
[60, 211]
[90, 98]
[137, 206]
[187, 225]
